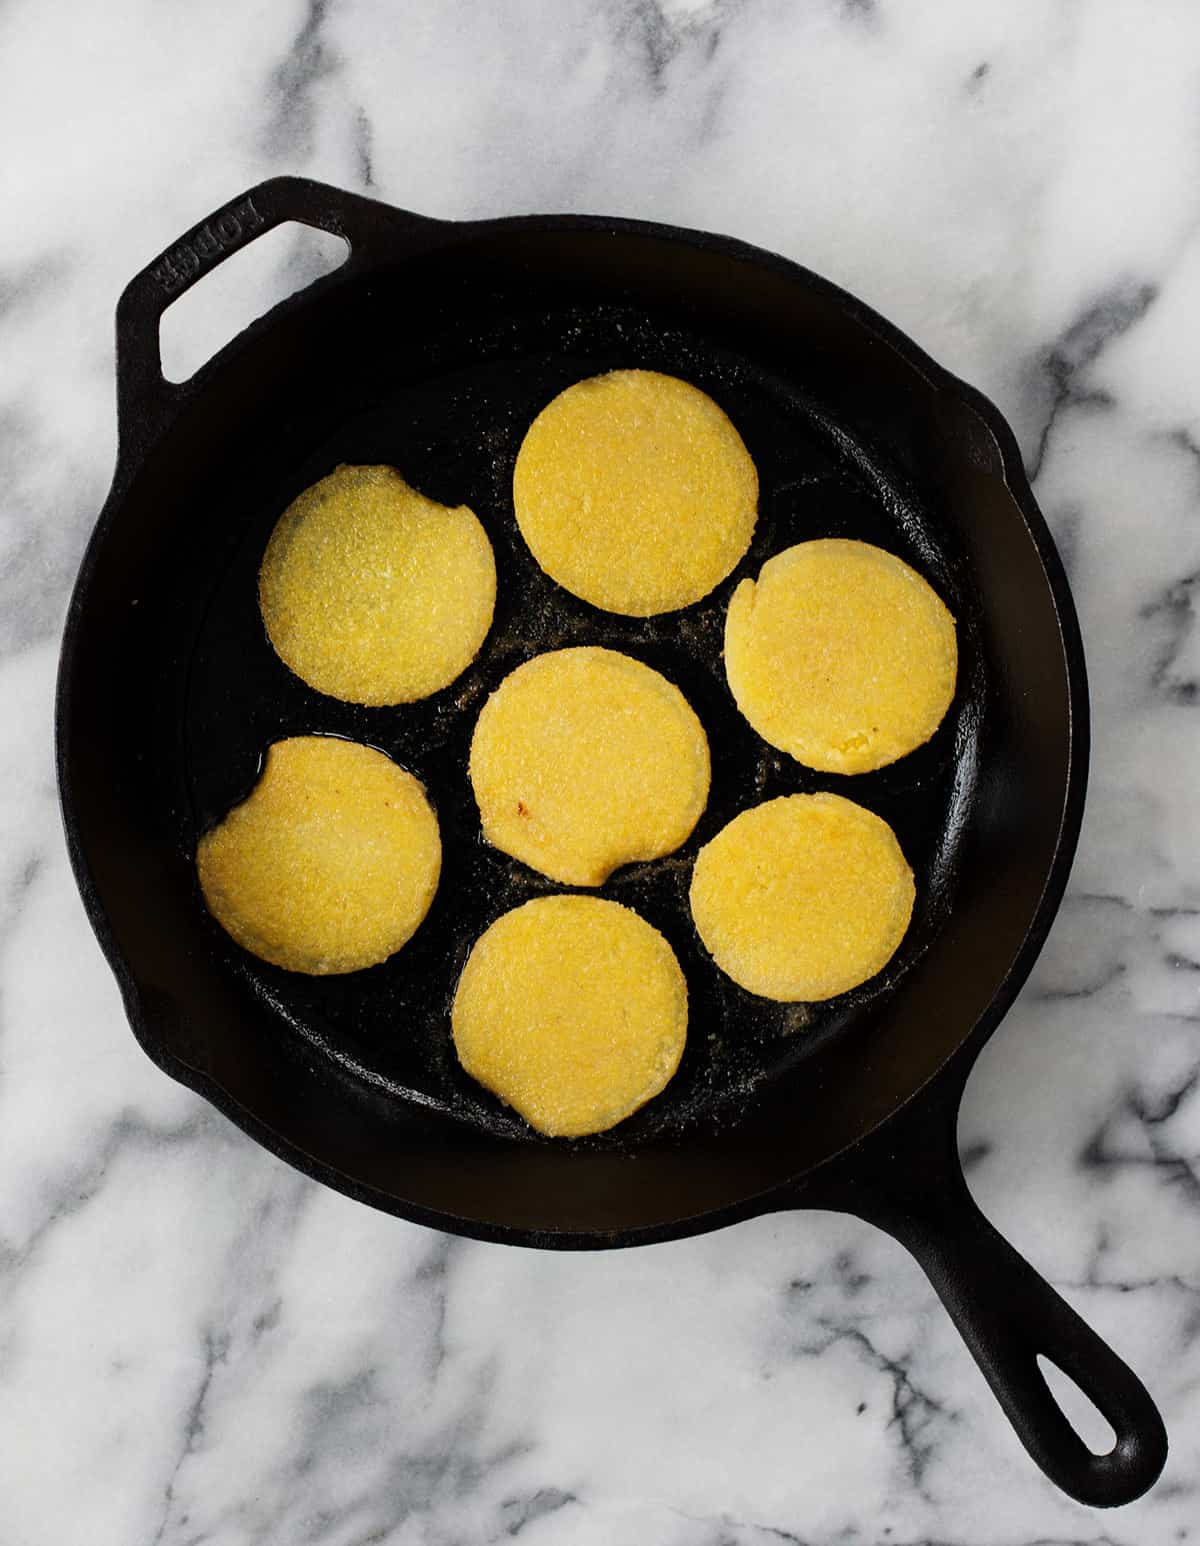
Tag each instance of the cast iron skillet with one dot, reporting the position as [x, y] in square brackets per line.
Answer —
[432, 348]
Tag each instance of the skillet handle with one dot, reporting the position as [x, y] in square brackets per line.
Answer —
[907, 1179]
[144, 397]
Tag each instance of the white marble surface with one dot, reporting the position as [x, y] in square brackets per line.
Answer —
[198, 1346]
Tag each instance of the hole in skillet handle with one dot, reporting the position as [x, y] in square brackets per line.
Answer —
[145, 398]
[1079, 1409]
[256, 278]
[907, 1179]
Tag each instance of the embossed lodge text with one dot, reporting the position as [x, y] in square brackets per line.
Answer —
[207, 243]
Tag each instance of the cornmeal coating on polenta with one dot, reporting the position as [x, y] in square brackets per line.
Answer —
[585, 759]
[374, 594]
[635, 492]
[330, 864]
[802, 897]
[841, 655]
[573, 1010]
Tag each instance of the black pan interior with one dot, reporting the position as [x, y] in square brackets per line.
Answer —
[436, 364]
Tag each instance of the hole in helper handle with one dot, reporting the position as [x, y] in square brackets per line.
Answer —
[144, 396]
[907, 1179]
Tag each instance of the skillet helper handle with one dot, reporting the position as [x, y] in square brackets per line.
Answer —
[144, 396]
[1008, 1315]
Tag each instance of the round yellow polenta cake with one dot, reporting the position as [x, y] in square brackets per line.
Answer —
[374, 594]
[802, 897]
[841, 655]
[585, 759]
[330, 864]
[634, 491]
[573, 1010]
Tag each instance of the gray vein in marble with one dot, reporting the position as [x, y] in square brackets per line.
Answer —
[223, 1344]
[1110, 937]
[1099, 1276]
[291, 130]
[978, 75]
[1169, 1104]
[432, 1278]
[517, 1513]
[364, 148]
[725, 1530]
[1104, 979]
[216, 1352]
[1079, 346]
[1103, 1152]
[1102, 1539]
[861, 10]
[1174, 610]
[126, 1131]
[1186, 442]
[657, 40]
[915, 1414]
[451, 1463]
[20, 884]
